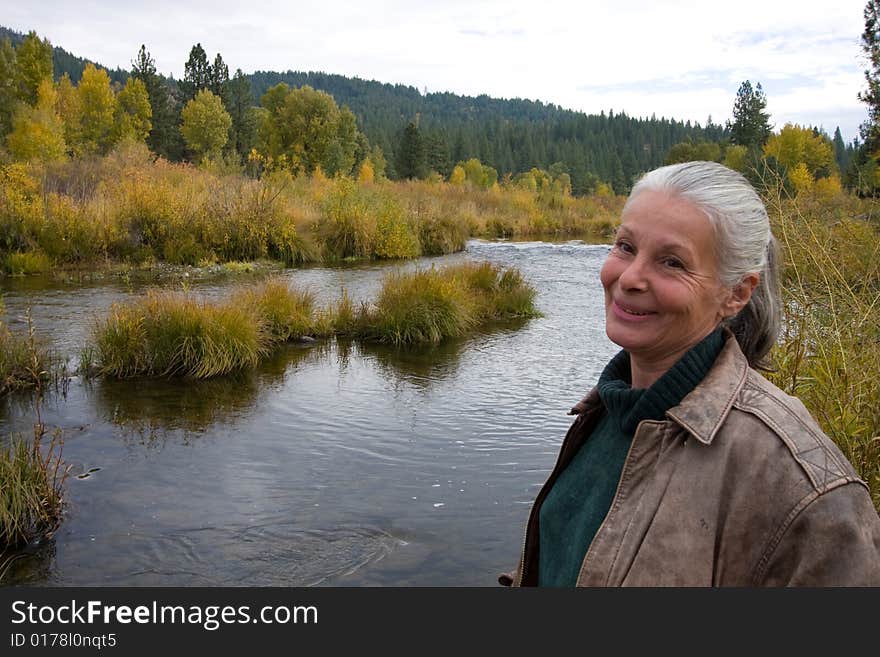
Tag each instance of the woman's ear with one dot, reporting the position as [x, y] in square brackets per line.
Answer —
[739, 295]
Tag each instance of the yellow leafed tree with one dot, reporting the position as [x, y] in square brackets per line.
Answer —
[38, 132]
[133, 112]
[801, 178]
[794, 145]
[97, 109]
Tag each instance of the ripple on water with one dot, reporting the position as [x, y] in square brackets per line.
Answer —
[273, 554]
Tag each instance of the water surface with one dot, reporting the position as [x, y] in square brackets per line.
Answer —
[331, 464]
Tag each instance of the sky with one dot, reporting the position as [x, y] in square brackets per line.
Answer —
[676, 59]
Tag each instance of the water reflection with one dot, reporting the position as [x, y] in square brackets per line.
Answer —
[335, 463]
[425, 365]
[153, 409]
[35, 563]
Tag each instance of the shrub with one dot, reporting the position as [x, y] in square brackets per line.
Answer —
[24, 264]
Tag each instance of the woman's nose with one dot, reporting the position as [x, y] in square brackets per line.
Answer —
[634, 276]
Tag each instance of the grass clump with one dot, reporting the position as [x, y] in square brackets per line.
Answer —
[24, 363]
[285, 314]
[434, 304]
[31, 498]
[174, 334]
[26, 263]
[425, 306]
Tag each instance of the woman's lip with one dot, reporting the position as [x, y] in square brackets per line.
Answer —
[625, 312]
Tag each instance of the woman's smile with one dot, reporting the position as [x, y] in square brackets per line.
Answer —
[630, 313]
[662, 291]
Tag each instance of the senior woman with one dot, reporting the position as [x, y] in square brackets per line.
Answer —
[684, 466]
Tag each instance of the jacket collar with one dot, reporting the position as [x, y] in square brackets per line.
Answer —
[702, 412]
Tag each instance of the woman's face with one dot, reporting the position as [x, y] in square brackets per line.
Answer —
[662, 293]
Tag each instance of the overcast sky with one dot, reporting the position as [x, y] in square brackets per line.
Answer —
[681, 59]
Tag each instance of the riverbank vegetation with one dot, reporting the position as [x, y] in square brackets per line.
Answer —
[129, 207]
[31, 497]
[24, 362]
[32, 473]
[829, 352]
[172, 333]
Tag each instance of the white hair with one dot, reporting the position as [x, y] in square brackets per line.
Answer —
[744, 243]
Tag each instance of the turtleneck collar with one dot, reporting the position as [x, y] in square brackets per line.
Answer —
[627, 407]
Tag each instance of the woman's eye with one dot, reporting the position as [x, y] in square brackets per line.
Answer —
[675, 263]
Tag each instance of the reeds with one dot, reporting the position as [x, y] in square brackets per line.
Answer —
[32, 474]
[24, 362]
[175, 334]
[435, 304]
[829, 352]
[31, 497]
[425, 306]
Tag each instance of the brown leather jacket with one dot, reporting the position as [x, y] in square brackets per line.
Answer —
[737, 487]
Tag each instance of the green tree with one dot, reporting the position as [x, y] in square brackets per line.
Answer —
[38, 132]
[306, 129]
[750, 126]
[243, 134]
[437, 154]
[870, 129]
[735, 157]
[164, 135]
[841, 153]
[411, 161]
[133, 112]
[8, 86]
[377, 158]
[219, 80]
[197, 74]
[205, 124]
[94, 131]
[34, 57]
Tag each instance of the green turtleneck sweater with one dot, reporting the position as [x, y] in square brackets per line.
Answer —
[582, 494]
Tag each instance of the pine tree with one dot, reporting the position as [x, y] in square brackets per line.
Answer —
[841, 156]
[8, 86]
[219, 76]
[411, 154]
[163, 134]
[870, 129]
[750, 126]
[243, 133]
[197, 74]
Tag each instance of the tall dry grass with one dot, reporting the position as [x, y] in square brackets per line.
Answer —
[829, 352]
[435, 304]
[173, 333]
[131, 207]
[32, 472]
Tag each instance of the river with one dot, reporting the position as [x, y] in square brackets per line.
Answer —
[333, 464]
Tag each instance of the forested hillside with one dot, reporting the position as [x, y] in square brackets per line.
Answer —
[511, 136]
